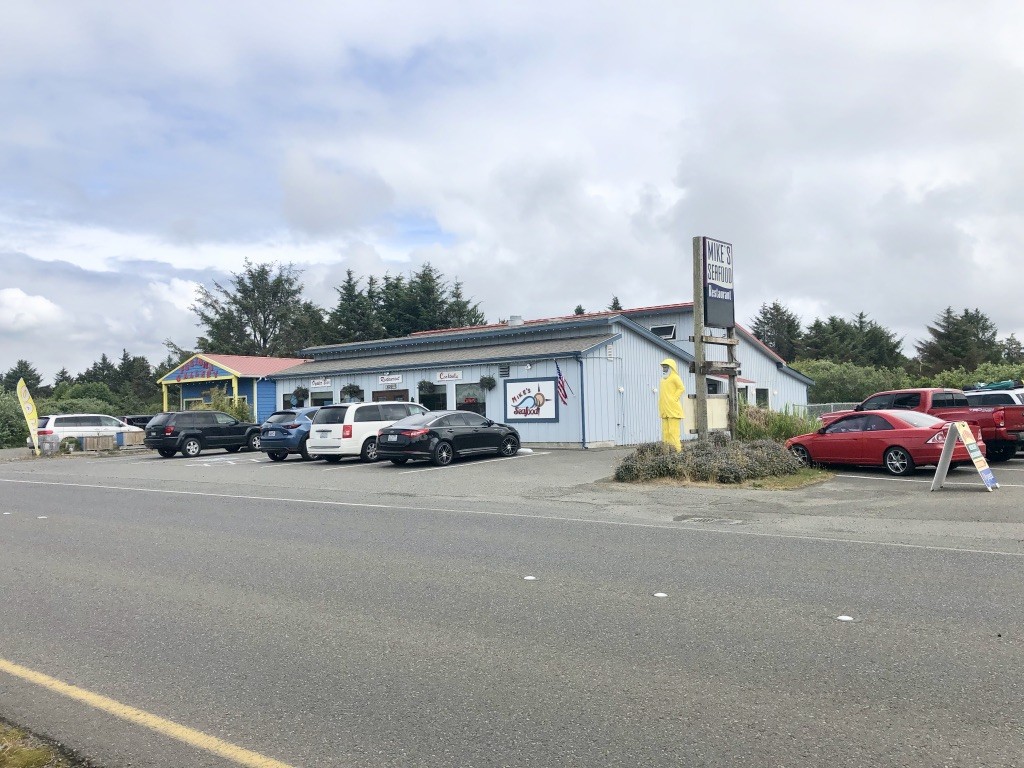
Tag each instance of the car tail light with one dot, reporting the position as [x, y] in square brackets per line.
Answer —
[290, 426]
[45, 432]
[168, 430]
[346, 430]
[414, 432]
[999, 417]
[939, 437]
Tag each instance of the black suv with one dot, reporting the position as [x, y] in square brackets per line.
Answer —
[192, 431]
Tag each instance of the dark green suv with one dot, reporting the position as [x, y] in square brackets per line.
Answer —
[191, 432]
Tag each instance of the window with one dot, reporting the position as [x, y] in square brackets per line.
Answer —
[470, 397]
[207, 418]
[906, 400]
[942, 400]
[417, 410]
[331, 414]
[191, 403]
[667, 332]
[224, 420]
[436, 398]
[393, 411]
[878, 403]
[741, 395]
[875, 423]
[454, 420]
[89, 421]
[474, 419]
[110, 421]
[714, 387]
[849, 424]
[761, 397]
[367, 413]
[326, 398]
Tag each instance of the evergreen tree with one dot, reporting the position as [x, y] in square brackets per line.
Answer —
[615, 306]
[1012, 350]
[22, 370]
[103, 371]
[966, 340]
[833, 339]
[255, 314]
[63, 377]
[426, 300]
[392, 306]
[877, 345]
[779, 329]
[579, 310]
[462, 312]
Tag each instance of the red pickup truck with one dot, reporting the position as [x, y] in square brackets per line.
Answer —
[1002, 426]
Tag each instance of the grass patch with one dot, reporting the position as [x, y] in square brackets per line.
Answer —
[19, 749]
[715, 460]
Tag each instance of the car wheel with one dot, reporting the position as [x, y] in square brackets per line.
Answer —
[277, 455]
[369, 451]
[332, 459]
[233, 449]
[802, 455]
[443, 454]
[399, 461]
[191, 448]
[898, 462]
[303, 451]
[509, 446]
[255, 441]
[166, 452]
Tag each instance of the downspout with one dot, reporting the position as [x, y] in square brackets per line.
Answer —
[583, 403]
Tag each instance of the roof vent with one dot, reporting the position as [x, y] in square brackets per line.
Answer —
[515, 320]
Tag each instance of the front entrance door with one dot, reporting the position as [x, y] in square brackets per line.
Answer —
[391, 396]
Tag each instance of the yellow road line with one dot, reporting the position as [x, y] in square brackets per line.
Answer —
[160, 725]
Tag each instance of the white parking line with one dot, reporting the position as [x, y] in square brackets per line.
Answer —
[978, 484]
[473, 463]
[351, 465]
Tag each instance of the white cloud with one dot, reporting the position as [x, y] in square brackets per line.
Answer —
[21, 312]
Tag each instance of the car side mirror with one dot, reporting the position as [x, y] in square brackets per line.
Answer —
[859, 407]
[821, 431]
[489, 423]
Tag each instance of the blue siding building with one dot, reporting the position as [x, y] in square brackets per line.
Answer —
[583, 380]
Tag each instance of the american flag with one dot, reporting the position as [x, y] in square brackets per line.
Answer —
[562, 385]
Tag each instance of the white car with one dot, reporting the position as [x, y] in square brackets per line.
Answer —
[350, 429]
[79, 425]
[996, 397]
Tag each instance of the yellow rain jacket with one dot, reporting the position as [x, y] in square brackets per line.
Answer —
[669, 391]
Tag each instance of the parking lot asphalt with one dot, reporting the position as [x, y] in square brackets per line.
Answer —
[853, 504]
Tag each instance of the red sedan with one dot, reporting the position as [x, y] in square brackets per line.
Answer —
[896, 440]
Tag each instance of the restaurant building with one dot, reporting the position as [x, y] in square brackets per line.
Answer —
[584, 380]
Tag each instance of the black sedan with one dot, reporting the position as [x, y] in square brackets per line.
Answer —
[440, 436]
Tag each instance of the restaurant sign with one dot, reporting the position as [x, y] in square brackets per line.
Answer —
[530, 400]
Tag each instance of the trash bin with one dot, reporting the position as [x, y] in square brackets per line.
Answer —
[120, 439]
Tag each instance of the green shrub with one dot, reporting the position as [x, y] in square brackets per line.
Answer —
[221, 401]
[763, 424]
[716, 460]
[13, 428]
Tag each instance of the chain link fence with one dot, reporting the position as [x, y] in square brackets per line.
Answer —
[814, 410]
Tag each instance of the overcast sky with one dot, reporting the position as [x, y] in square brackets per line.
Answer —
[860, 157]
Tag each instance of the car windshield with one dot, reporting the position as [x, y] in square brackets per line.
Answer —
[331, 415]
[918, 419]
[419, 420]
[281, 417]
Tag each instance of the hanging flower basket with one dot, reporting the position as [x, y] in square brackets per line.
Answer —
[301, 393]
[488, 382]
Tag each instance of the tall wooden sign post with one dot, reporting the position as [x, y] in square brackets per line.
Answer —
[713, 307]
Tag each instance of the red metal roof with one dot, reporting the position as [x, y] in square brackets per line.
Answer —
[247, 365]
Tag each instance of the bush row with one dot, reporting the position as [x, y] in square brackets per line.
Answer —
[717, 459]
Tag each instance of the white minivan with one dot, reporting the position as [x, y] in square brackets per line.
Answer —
[350, 429]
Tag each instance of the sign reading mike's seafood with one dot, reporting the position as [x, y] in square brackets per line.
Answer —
[719, 290]
[530, 400]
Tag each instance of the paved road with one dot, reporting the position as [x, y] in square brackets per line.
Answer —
[368, 617]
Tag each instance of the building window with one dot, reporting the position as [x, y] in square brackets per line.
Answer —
[667, 332]
[714, 387]
[762, 398]
[191, 403]
[470, 397]
[434, 397]
[741, 395]
[322, 398]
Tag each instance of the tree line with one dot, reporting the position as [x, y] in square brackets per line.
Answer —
[261, 311]
[851, 359]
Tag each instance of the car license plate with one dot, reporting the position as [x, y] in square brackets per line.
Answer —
[271, 433]
[392, 438]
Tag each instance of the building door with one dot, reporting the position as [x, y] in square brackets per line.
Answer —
[391, 396]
